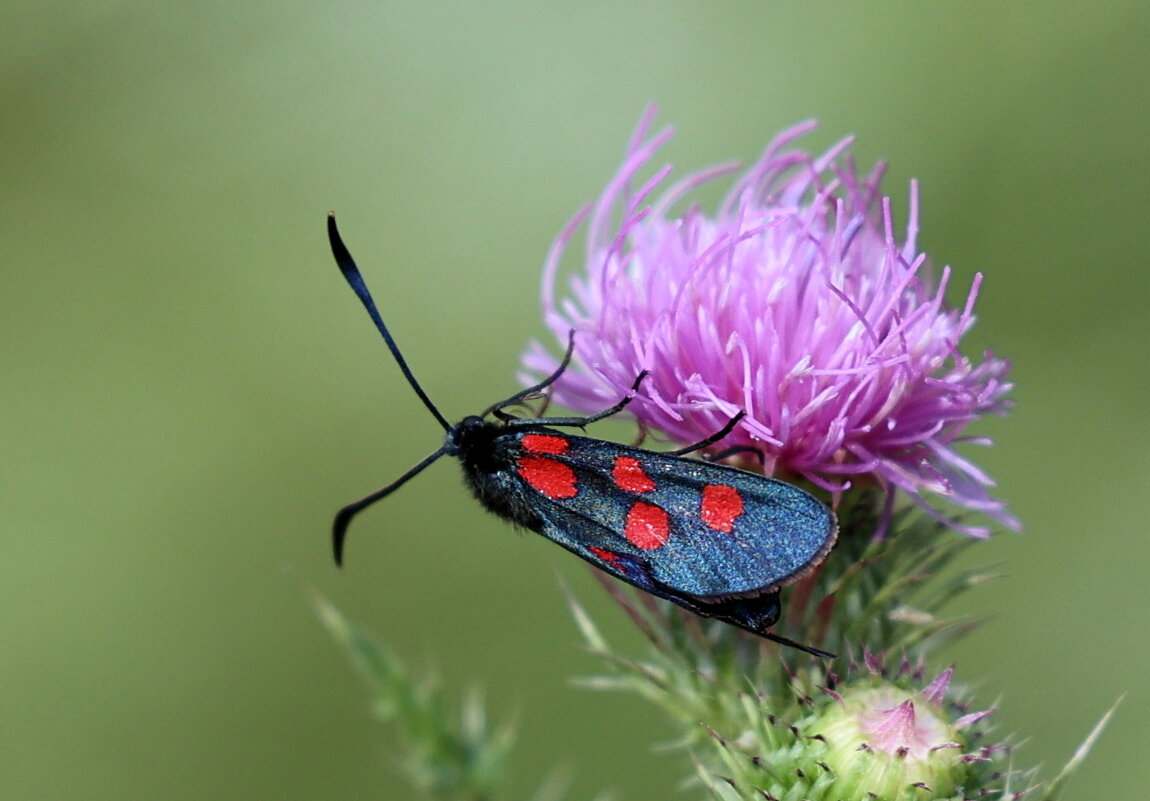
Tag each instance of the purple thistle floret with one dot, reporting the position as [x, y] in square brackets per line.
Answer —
[793, 302]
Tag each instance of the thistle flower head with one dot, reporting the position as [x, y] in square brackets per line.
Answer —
[795, 302]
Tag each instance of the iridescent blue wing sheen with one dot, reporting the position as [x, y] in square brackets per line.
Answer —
[688, 527]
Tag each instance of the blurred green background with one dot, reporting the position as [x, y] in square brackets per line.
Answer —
[190, 390]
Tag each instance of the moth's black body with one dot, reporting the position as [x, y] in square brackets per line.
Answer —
[487, 455]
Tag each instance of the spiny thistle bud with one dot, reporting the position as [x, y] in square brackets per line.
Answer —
[886, 740]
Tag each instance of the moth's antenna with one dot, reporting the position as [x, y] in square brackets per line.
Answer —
[355, 281]
[343, 519]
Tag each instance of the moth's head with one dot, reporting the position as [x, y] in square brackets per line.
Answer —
[470, 434]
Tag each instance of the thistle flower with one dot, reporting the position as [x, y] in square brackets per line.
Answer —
[793, 302]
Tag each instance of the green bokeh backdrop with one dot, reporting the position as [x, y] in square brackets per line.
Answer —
[190, 390]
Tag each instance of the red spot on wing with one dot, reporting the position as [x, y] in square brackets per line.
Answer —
[610, 557]
[628, 474]
[647, 526]
[554, 479]
[722, 505]
[545, 443]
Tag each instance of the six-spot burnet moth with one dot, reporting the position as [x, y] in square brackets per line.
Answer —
[714, 539]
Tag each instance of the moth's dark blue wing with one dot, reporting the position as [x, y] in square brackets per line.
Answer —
[693, 528]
